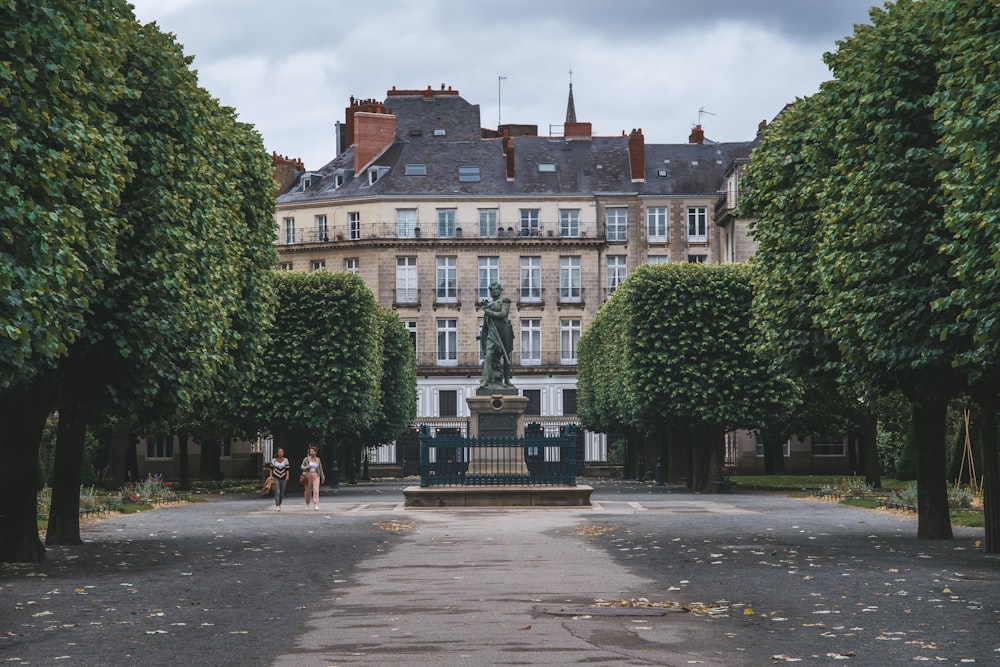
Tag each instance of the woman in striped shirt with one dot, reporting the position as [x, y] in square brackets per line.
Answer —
[279, 473]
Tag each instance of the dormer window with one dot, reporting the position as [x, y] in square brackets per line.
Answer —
[375, 173]
[338, 180]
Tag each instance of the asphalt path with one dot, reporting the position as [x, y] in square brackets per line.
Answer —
[648, 576]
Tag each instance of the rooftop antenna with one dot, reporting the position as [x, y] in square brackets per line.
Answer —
[702, 112]
[500, 79]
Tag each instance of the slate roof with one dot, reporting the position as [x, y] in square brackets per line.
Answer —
[582, 166]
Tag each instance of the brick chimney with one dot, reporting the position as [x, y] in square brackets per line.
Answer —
[574, 130]
[637, 156]
[508, 151]
[367, 106]
[285, 170]
[373, 133]
[697, 135]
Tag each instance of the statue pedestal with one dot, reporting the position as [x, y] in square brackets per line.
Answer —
[497, 412]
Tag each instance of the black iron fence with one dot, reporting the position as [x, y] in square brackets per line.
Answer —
[449, 458]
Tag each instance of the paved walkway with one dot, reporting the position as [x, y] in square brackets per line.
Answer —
[363, 581]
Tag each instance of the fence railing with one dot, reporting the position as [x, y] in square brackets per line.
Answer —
[454, 460]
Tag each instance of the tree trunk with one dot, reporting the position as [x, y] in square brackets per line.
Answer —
[678, 446]
[700, 457]
[716, 457]
[64, 512]
[211, 466]
[929, 427]
[990, 472]
[22, 418]
[867, 440]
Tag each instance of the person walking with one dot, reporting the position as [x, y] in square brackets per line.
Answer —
[279, 476]
[312, 468]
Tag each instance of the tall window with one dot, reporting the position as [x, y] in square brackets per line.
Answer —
[448, 403]
[352, 265]
[529, 222]
[321, 228]
[447, 279]
[656, 224]
[569, 222]
[617, 271]
[697, 224]
[617, 223]
[354, 225]
[489, 272]
[406, 280]
[569, 279]
[487, 222]
[569, 401]
[531, 279]
[406, 222]
[289, 230]
[446, 223]
[531, 342]
[447, 342]
[534, 406]
[569, 340]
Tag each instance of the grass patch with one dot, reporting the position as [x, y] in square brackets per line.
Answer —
[794, 482]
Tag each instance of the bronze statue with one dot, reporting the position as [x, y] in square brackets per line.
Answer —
[496, 340]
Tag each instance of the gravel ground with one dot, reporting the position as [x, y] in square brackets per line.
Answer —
[765, 579]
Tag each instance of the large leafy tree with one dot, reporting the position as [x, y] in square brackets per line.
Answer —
[191, 263]
[63, 165]
[686, 362]
[859, 178]
[322, 372]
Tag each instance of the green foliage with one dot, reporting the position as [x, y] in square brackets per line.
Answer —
[63, 166]
[671, 347]
[323, 367]
[399, 382]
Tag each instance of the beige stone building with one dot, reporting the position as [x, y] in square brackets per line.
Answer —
[430, 208]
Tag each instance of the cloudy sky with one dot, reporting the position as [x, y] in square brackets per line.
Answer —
[289, 68]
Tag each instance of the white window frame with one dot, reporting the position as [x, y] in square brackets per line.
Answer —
[446, 279]
[321, 230]
[446, 218]
[447, 342]
[531, 279]
[531, 342]
[488, 218]
[289, 230]
[657, 225]
[616, 223]
[569, 340]
[569, 222]
[317, 265]
[657, 259]
[411, 328]
[352, 265]
[529, 222]
[617, 271]
[489, 272]
[406, 279]
[570, 289]
[468, 174]
[406, 223]
[697, 224]
[354, 225]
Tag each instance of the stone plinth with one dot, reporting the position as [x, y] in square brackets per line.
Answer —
[497, 412]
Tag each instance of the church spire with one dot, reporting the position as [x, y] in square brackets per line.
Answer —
[570, 107]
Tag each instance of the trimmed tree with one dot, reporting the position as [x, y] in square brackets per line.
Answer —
[63, 167]
[322, 375]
